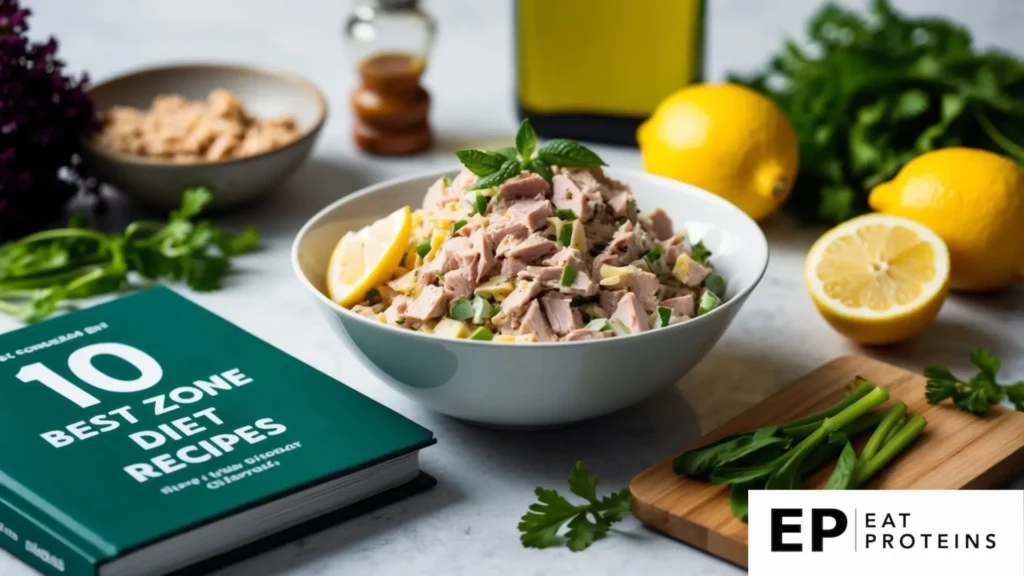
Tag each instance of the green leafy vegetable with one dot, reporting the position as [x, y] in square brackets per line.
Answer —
[587, 522]
[568, 275]
[481, 162]
[423, 248]
[653, 258]
[40, 271]
[526, 140]
[506, 163]
[843, 472]
[738, 500]
[701, 254]
[462, 309]
[869, 92]
[509, 169]
[569, 153]
[978, 393]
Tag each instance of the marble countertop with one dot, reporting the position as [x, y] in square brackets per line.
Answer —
[466, 525]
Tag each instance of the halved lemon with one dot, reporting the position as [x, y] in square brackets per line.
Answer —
[368, 257]
[878, 279]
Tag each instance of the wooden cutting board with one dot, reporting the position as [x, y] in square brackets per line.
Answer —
[956, 451]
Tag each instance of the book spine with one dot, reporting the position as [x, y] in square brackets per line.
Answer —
[40, 547]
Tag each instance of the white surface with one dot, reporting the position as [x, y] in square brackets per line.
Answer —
[466, 525]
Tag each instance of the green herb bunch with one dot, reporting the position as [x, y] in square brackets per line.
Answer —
[977, 394]
[493, 168]
[871, 92]
[587, 522]
[779, 457]
[40, 271]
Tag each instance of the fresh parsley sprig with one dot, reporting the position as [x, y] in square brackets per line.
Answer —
[40, 271]
[495, 167]
[539, 528]
[978, 393]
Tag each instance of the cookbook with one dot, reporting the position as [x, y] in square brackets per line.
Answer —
[147, 435]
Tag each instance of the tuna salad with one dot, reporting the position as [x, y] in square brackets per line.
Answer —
[555, 254]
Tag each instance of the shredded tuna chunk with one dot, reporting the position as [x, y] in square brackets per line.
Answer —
[562, 318]
[534, 322]
[526, 185]
[631, 313]
[513, 256]
[431, 303]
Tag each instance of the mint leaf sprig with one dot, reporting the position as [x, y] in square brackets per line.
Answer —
[40, 271]
[977, 394]
[495, 167]
[539, 528]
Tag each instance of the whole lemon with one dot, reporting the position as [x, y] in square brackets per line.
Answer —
[974, 200]
[726, 139]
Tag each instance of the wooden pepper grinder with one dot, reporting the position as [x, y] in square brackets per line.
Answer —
[390, 40]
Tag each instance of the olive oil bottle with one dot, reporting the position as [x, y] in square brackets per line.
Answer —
[595, 69]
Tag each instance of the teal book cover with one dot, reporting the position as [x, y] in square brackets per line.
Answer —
[129, 423]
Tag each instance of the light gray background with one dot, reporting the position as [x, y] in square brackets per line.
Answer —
[467, 524]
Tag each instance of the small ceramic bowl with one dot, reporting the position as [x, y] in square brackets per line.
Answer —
[539, 384]
[264, 93]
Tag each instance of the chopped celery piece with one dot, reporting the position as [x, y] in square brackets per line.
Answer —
[462, 310]
[708, 302]
[568, 275]
[599, 324]
[663, 317]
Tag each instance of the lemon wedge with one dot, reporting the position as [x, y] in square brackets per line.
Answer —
[878, 279]
[368, 257]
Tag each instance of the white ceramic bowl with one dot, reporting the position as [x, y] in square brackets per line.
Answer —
[540, 384]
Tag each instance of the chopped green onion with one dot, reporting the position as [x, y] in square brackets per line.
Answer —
[480, 203]
[423, 248]
[599, 324]
[664, 317]
[566, 214]
[701, 253]
[494, 310]
[481, 310]
[715, 283]
[568, 275]
[565, 235]
[653, 258]
[708, 302]
[400, 321]
[446, 181]
[620, 327]
[462, 310]
[373, 296]
[482, 333]
[458, 226]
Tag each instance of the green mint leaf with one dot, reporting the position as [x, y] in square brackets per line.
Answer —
[526, 140]
[509, 153]
[540, 168]
[481, 162]
[508, 170]
[569, 153]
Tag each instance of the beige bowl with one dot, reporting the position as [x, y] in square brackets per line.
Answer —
[265, 93]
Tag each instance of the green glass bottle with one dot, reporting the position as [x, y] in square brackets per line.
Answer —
[595, 69]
